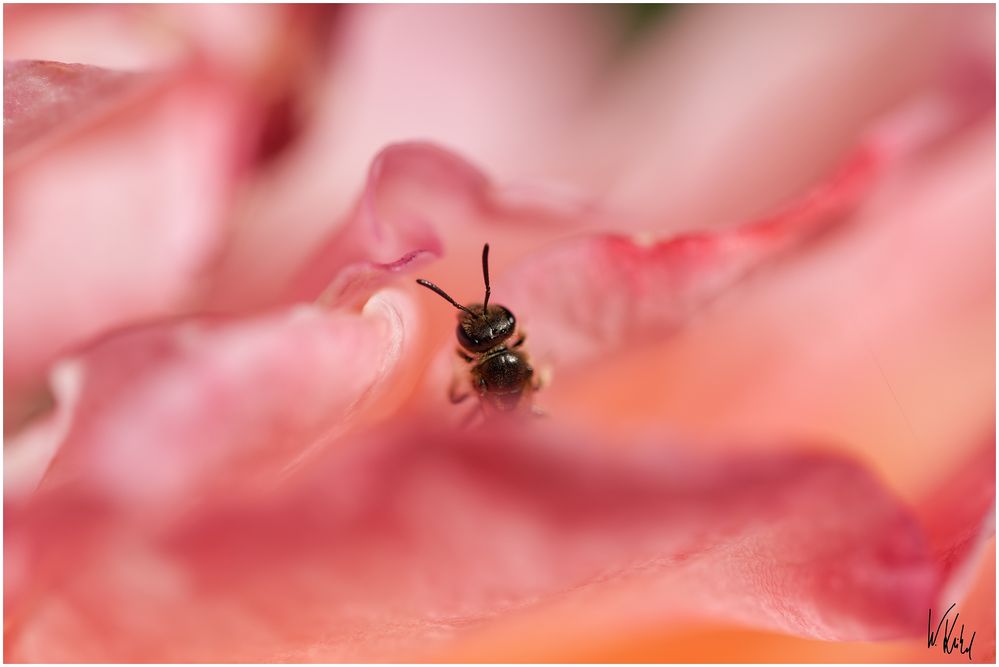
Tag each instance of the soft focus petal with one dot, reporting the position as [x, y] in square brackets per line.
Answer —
[726, 112]
[493, 82]
[243, 39]
[879, 338]
[45, 101]
[110, 36]
[590, 297]
[273, 53]
[170, 413]
[416, 194]
[397, 544]
[552, 639]
[114, 219]
[960, 515]
[28, 455]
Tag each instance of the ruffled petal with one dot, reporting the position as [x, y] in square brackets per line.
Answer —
[416, 195]
[586, 298]
[400, 543]
[492, 82]
[116, 192]
[592, 296]
[879, 338]
[169, 414]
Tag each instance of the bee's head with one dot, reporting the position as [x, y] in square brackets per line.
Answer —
[480, 326]
[480, 330]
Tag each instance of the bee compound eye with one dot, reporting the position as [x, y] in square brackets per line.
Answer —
[464, 339]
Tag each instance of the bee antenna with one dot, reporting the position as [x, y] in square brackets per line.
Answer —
[430, 286]
[485, 277]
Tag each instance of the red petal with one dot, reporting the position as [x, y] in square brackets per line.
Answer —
[112, 221]
[169, 413]
[396, 545]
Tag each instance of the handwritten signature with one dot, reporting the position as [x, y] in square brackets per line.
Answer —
[950, 642]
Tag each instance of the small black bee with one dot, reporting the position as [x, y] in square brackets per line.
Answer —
[500, 373]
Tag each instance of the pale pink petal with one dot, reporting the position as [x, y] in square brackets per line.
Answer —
[116, 192]
[416, 195]
[396, 546]
[724, 112]
[106, 35]
[274, 53]
[28, 454]
[169, 414]
[492, 82]
[245, 40]
[43, 102]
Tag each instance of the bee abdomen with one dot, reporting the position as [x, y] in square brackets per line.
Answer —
[502, 376]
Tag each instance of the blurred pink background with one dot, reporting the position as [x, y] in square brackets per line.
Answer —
[232, 164]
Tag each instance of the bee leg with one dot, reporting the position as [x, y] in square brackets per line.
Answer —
[541, 379]
[464, 357]
[455, 395]
[470, 417]
[520, 341]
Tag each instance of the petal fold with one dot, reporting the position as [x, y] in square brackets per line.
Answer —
[398, 543]
[173, 413]
[416, 195]
[115, 205]
[586, 297]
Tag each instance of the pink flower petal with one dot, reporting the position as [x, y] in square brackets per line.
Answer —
[492, 82]
[416, 193]
[880, 339]
[594, 295]
[395, 546]
[112, 36]
[42, 99]
[723, 113]
[242, 39]
[589, 297]
[115, 220]
[170, 413]
[960, 515]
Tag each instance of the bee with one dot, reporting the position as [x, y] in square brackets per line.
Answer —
[499, 372]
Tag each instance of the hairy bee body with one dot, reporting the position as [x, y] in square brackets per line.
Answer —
[500, 374]
[503, 379]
